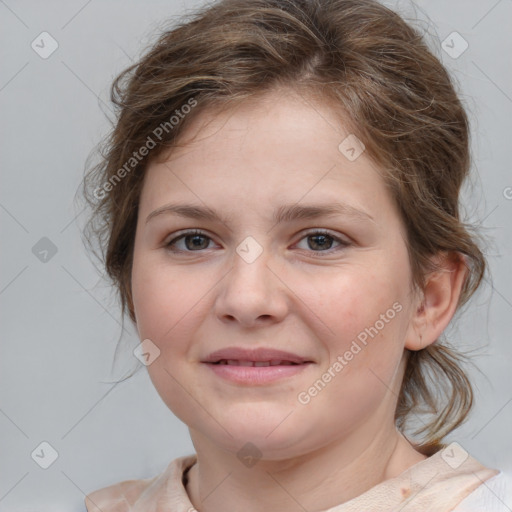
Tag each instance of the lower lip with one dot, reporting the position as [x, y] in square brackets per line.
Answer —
[254, 375]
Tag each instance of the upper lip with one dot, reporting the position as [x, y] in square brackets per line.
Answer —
[256, 354]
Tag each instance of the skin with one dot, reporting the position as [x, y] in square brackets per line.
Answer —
[274, 150]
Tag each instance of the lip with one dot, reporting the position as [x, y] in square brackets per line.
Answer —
[254, 354]
[239, 372]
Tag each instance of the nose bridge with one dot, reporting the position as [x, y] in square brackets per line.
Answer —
[250, 267]
[250, 289]
[250, 250]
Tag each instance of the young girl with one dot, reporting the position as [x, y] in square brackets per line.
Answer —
[278, 205]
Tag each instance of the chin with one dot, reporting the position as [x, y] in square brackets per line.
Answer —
[273, 431]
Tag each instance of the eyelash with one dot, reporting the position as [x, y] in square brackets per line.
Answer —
[343, 243]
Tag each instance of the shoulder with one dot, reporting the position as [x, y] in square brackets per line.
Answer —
[493, 495]
[121, 496]
[117, 497]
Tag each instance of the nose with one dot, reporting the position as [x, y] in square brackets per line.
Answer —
[251, 293]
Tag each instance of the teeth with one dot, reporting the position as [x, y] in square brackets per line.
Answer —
[273, 362]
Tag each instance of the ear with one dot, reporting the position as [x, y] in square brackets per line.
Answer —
[438, 302]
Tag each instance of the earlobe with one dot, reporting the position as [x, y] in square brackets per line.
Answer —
[439, 301]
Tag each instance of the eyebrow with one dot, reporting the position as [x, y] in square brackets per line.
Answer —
[286, 213]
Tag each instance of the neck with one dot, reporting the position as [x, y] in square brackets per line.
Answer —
[328, 477]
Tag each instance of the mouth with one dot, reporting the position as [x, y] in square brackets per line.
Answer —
[255, 366]
[272, 362]
[238, 356]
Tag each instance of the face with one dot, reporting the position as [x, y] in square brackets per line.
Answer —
[277, 322]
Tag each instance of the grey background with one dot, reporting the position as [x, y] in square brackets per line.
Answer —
[59, 320]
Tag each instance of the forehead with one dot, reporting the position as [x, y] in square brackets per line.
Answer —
[275, 147]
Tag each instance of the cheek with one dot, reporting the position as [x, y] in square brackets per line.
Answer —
[167, 303]
[366, 311]
[356, 300]
[164, 298]
[148, 300]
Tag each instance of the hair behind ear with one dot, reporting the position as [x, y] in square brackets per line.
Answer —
[425, 370]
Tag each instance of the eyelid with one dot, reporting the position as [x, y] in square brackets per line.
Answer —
[333, 234]
[342, 241]
[311, 231]
[178, 235]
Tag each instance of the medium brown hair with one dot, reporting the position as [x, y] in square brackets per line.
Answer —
[370, 65]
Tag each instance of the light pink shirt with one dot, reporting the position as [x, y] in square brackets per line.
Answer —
[436, 484]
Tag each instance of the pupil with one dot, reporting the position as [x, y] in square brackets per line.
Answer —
[323, 240]
[196, 241]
